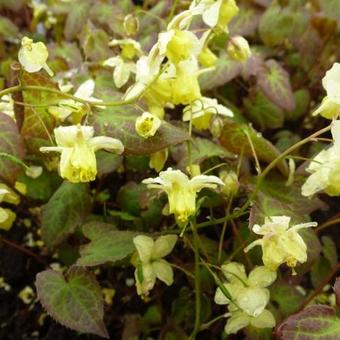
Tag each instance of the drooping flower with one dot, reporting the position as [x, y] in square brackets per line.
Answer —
[151, 265]
[158, 159]
[7, 216]
[249, 297]
[325, 168]
[330, 106]
[216, 13]
[130, 48]
[248, 292]
[281, 243]
[7, 105]
[202, 110]
[122, 69]
[77, 147]
[66, 107]
[238, 49]
[181, 191]
[33, 56]
[147, 125]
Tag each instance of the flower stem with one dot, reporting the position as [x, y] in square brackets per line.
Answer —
[197, 284]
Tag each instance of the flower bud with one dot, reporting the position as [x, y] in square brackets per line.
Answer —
[131, 24]
[229, 178]
[147, 125]
[238, 49]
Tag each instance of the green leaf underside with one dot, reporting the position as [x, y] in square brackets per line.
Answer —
[120, 123]
[75, 301]
[64, 212]
[315, 322]
[107, 244]
[12, 144]
[234, 139]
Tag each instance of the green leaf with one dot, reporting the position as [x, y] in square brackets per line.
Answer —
[288, 298]
[302, 100]
[262, 112]
[64, 212]
[224, 71]
[280, 23]
[120, 123]
[38, 123]
[107, 162]
[76, 19]
[274, 81]
[235, 139]
[107, 244]
[7, 29]
[75, 301]
[11, 143]
[314, 322]
[329, 250]
[96, 44]
[245, 22]
[201, 150]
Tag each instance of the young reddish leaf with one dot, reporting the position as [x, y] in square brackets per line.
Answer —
[76, 301]
[64, 212]
[236, 138]
[274, 81]
[314, 322]
[38, 123]
[107, 244]
[245, 22]
[337, 291]
[120, 123]
[11, 143]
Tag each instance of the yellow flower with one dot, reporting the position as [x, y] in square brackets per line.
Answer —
[129, 48]
[280, 242]
[207, 58]
[325, 168]
[202, 110]
[147, 125]
[181, 191]
[330, 106]
[7, 216]
[185, 86]
[77, 147]
[66, 107]
[249, 296]
[178, 45]
[158, 159]
[7, 105]
[33, 56]
[151, 265]
[238, 49]
[122, 70]
[216, 14]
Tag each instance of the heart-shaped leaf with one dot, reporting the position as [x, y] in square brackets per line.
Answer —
[107, 244]
[75, 301]
[314, 322]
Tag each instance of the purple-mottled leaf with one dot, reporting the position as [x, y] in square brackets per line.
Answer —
[76, 19]
[75, 301]
[274, 81]
[245, 22]
[314, 322]
[120, 123]
[11, 143]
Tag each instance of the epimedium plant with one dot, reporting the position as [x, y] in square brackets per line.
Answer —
[168, 153]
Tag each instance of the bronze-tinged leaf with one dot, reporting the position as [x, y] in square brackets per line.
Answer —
[245, 22]
[314, 322]
[274, 81]
[11, 143]
[120, 123]
[76, 301]
[38, 123]
[236, 138]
